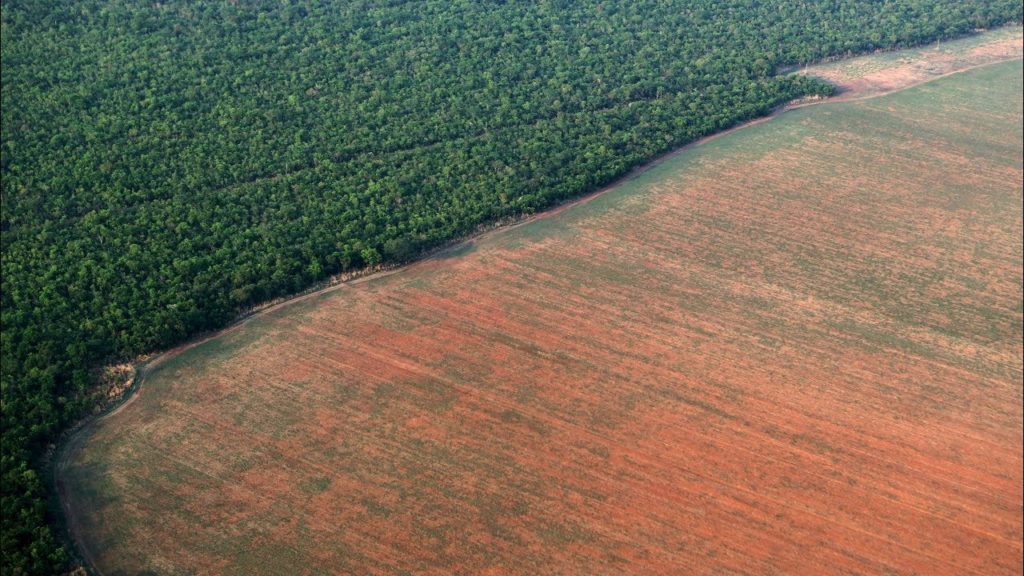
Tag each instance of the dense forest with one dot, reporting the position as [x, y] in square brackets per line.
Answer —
[167, 164]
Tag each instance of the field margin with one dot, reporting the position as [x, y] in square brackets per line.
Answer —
[81, 431]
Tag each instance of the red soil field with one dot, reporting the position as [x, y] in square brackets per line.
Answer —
[795, 349]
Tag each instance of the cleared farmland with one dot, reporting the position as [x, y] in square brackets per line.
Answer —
[793, 349]
[874, 74]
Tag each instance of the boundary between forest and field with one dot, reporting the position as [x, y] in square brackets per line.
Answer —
[142, 366]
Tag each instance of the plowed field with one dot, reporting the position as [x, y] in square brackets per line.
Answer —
[792, 349]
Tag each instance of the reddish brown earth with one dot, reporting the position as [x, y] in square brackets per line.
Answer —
[794, 349]
[867, 76]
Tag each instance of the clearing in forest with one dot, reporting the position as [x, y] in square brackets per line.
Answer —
[792, 349]
[867, 76]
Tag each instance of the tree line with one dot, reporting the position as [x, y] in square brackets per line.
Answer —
[167, 164]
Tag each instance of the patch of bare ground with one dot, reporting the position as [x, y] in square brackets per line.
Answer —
[868, 76]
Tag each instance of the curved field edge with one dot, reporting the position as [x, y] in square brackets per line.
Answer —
[541, 230]
[1008, 38]
[122, 304]
[998, 36]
